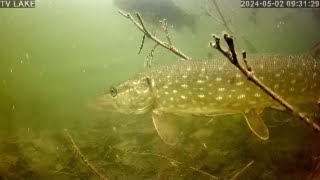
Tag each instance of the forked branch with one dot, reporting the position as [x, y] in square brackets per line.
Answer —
[232, 56]
[140, 25]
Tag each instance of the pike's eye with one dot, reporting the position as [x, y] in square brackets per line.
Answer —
[113, 92]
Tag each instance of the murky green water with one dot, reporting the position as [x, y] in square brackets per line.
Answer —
[58, 57]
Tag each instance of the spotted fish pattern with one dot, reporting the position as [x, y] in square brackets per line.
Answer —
[215, 87]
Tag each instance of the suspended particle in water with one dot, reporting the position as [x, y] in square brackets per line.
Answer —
[204, 145]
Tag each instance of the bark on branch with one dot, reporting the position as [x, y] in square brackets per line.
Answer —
[232, 56]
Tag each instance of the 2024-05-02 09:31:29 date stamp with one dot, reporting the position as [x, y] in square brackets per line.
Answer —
[280, 3]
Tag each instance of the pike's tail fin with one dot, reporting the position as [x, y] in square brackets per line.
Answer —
[315, 51]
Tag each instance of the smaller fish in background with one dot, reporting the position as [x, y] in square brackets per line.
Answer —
[154, 11]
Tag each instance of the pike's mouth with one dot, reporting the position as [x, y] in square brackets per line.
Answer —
[103, 103]
[106, 103]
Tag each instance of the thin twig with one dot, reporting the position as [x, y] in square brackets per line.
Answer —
[173, 161]
[149, 59]
[181, 164]
[282, 123]
[207, 12]
[233, 59]
[65, 173]
[242, 170]
[142, 43]
[164, 25]
[244, 57]
[224, 22]
[140, 25]
[222, 17]
[315, 174]
[82, 157]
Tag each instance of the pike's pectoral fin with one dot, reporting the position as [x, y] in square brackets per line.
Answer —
[256, 124]
[165, 126]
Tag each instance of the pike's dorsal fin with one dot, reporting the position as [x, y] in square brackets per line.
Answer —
[166, 127]
[256, 124]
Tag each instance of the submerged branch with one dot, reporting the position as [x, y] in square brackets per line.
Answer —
[140, 25]
[315, 174]
[181, 164]
[244, 57]
[226, 25]
[224, 22]
[64, 173]
[242, 170]
[206, 12]
[232, 56]
[164, 25]
[142, 43]
[172, 161]
[82, 157]
[149, 59]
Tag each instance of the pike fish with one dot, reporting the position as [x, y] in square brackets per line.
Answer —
[215, 87]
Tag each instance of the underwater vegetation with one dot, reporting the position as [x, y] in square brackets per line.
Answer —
[261, 135]
[125, 149]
